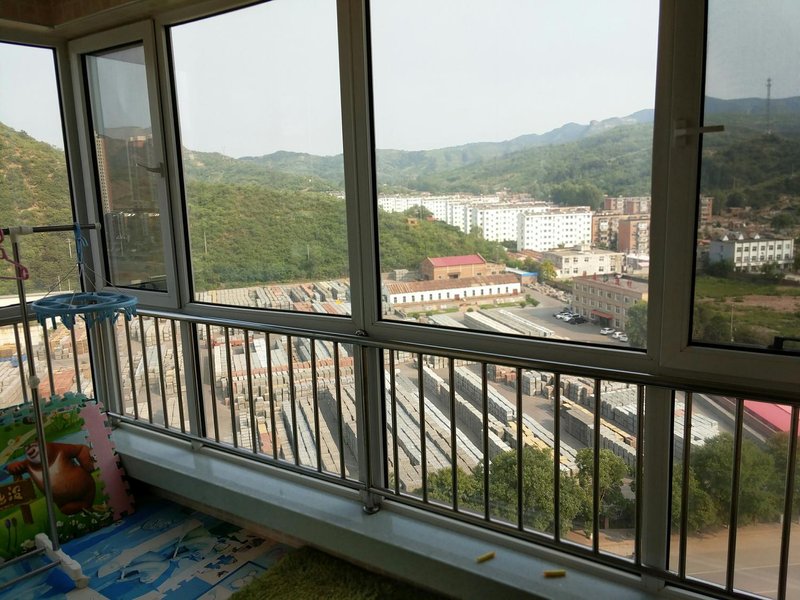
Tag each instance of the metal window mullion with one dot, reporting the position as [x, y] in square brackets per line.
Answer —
[111, 352]
[271, 393]
[250, 400]
[557, 457]
[212, 382]
[735, 488]
[178, 385]
[657, 459]
[315, 403]
[231, 399]
[637, 541]
[687, 446]
[788, 505]
[422, 430]
[520, 490]
[485, 435]
[145, 371]
[453, 431]
[162, 383]
[340, 417]
[596, 471]
[393, 393]
[132, 372]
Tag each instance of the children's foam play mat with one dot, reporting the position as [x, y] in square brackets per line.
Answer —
[161, 550]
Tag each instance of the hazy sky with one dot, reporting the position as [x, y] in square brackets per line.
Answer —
[445, 72]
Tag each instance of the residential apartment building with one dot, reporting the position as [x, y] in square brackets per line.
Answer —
[633, 236]
[551, 227]
[607, 299]
[749, 253]
[583, 260]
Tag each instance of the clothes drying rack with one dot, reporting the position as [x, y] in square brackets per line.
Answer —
[45, 544]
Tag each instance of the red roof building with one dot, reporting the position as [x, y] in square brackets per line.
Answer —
[457, 267]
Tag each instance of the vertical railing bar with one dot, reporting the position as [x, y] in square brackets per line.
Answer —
[637, 541]
[557, 456]
[212, 375]
[112, 336]
[271, 392]
[453, 430]
[422, 430]
[145, 370]
[231, 399]
[596, 471]
[292, 399]
[340, 426]
[393, 394]
[132, 371]
[250, 399]
[178, 386]
[48, 359]
[734, 519]
[75, 357]
[162, 384]
[21, 367]
[315, 402]
[520, 490]
[485, 432]
[687, 458]
[788, 504]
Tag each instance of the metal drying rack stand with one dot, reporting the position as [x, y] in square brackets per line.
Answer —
[47, 545]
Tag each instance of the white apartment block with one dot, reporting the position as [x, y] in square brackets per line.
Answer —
[542, 229]
[498, 222]
[436, 205]
[582, 261]
[750, 254]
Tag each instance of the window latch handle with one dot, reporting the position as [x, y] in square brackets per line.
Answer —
[683, 131]
[157, 169]
[779, 341]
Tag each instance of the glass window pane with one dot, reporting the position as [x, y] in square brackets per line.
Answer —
[513, 176]
[33, 177]
[128, 165]
[262, 157]
[748, 222]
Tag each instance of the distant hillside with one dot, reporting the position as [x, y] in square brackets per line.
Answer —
[402, 167]
[34, 191]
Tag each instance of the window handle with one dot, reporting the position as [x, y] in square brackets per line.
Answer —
[778, 342]
[682, 131]
[157, 169]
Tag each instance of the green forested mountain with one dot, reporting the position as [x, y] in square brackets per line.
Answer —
[280, 217]
[33, 191]
[402, 168]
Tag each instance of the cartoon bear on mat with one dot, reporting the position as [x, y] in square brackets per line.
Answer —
[70, 471]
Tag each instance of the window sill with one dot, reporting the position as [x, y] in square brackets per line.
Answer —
[426, 549]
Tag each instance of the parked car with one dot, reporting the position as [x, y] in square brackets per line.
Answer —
[607, 330]
[623, 338]
[617, 334]
[577, 320]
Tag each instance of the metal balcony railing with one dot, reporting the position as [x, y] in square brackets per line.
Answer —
[550, 455]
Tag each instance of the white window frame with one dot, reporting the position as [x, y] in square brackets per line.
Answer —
[143, 33]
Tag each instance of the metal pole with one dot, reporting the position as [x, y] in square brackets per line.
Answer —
[33, 382]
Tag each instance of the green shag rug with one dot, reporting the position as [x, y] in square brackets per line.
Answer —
[309, 573]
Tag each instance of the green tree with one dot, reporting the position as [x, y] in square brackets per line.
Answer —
[612, 471]
[720, 268]
[547, 271]
[713, 465]
[637, 324]
[701, 513]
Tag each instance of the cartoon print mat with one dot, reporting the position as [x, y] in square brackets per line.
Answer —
[87, 483]
[164, 551]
